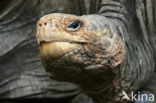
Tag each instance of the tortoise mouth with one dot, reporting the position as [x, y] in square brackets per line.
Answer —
[57, 49]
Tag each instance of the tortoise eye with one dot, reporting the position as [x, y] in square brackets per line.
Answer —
[75, 25]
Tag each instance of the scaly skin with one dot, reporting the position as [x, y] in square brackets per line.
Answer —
[90, 57]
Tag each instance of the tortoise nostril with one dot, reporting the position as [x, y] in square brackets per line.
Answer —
[45, 23]
[40, 24]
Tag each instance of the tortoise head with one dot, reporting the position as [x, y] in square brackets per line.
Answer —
[75, 48]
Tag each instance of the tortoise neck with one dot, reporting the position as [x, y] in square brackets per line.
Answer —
[102, 95]
[103, 88]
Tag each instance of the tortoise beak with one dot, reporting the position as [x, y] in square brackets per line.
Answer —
[56, 49]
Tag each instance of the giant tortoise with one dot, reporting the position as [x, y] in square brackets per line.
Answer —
[22, 76]
[108, 55]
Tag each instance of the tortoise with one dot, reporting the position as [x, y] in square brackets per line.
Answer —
[108, 55]
[22, 76]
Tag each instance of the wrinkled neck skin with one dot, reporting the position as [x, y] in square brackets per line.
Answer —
[108, 87]
[105, 88]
